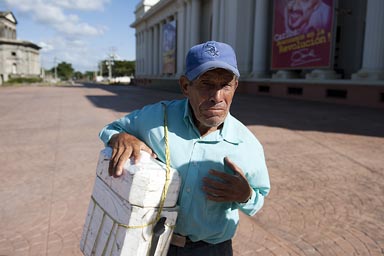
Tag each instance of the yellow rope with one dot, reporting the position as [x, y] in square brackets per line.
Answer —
[167, 164]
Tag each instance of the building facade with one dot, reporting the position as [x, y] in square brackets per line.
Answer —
[17, 58]
[355, 74]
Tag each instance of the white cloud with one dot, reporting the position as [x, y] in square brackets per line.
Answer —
[76, 40]
[75, 51]
[87, 5]
[52, 13]
[46, 47]
[70, 42]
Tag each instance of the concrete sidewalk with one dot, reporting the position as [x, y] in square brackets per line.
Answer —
[326, 165]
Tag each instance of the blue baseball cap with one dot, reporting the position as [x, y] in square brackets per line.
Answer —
[208, 56]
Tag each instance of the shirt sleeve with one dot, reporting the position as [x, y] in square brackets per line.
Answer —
[124, 124]
[107, 132]
[258, 180]
[254, 204]
[137, 123]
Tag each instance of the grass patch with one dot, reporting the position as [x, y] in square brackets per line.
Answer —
[24, 80]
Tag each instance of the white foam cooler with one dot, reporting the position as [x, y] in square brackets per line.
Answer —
[122, 211]
[141, 188]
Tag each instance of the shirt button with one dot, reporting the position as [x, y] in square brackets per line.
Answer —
[188, 190]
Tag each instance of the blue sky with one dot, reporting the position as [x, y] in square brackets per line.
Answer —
[80, 32]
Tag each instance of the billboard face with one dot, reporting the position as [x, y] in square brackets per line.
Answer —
[302, 34]
[169, 48]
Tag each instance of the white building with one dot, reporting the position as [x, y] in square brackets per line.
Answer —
[355, 74]
[17, 58]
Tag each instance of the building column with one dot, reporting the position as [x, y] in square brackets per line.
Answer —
[188, 25]
[195, 22]
[260, 44]
[215, 19]
[150, 51]
[141, 42]
[181, 52]
[373, 55]
[142, 54]
[155, 50]
[138, 56]
[222, 23]
[138, 53]
[230, 32]
[145, 52]
[160, 63]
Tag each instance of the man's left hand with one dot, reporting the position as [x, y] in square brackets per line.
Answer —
[231, 187]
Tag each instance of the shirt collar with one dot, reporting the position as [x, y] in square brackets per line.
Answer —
[187, 114]
[229, 131]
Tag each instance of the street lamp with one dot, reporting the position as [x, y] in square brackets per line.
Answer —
[54, 63]
[110, 62]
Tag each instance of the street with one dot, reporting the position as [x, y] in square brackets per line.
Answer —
[325, 162]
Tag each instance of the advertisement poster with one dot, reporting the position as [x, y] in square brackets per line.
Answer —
[302, 35]
[169, 48]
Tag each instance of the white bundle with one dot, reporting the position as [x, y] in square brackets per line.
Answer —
[123, 211]
[141, 184]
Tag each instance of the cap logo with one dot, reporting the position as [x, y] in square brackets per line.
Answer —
[211, 49]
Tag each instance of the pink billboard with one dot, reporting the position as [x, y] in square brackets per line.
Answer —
[302, 35]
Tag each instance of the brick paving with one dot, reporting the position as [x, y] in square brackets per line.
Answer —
[326, 166]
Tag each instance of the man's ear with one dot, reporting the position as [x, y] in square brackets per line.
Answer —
[184, 83]
[236, 84]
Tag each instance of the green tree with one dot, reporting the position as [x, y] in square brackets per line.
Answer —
[119, 68]
[89, 75]
[78, 75]
[64, 70]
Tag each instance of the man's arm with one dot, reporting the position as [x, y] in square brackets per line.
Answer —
[123, 137]
[124, 146]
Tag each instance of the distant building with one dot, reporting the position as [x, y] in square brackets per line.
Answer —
[17, 58]
[342, 62]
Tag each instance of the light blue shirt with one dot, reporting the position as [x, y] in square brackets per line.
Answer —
[193, 156]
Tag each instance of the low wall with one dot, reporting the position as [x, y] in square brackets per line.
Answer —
[350, 92]
[341, 92]
[171, 85]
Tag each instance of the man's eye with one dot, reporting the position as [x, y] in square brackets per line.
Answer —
[227, 86]
[207, 85]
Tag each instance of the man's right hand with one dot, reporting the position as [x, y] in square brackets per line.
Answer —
[124, 146]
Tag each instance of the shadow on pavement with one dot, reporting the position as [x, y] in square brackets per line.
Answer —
[260, 110]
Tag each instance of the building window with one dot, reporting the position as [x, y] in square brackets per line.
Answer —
[263, 88]
[14, 68]
[334, 93]
[295, 90]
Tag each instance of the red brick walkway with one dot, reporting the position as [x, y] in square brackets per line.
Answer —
[326, 165]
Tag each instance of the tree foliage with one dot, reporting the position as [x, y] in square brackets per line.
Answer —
[64, 71]
[89, 75]
[119, 68]
[78, 75]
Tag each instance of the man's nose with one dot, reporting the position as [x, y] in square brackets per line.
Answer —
[216, 95]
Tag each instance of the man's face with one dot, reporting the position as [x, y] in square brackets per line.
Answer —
[210, 97]
[299, 12]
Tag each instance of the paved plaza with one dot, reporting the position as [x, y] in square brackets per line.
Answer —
[326, 165]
